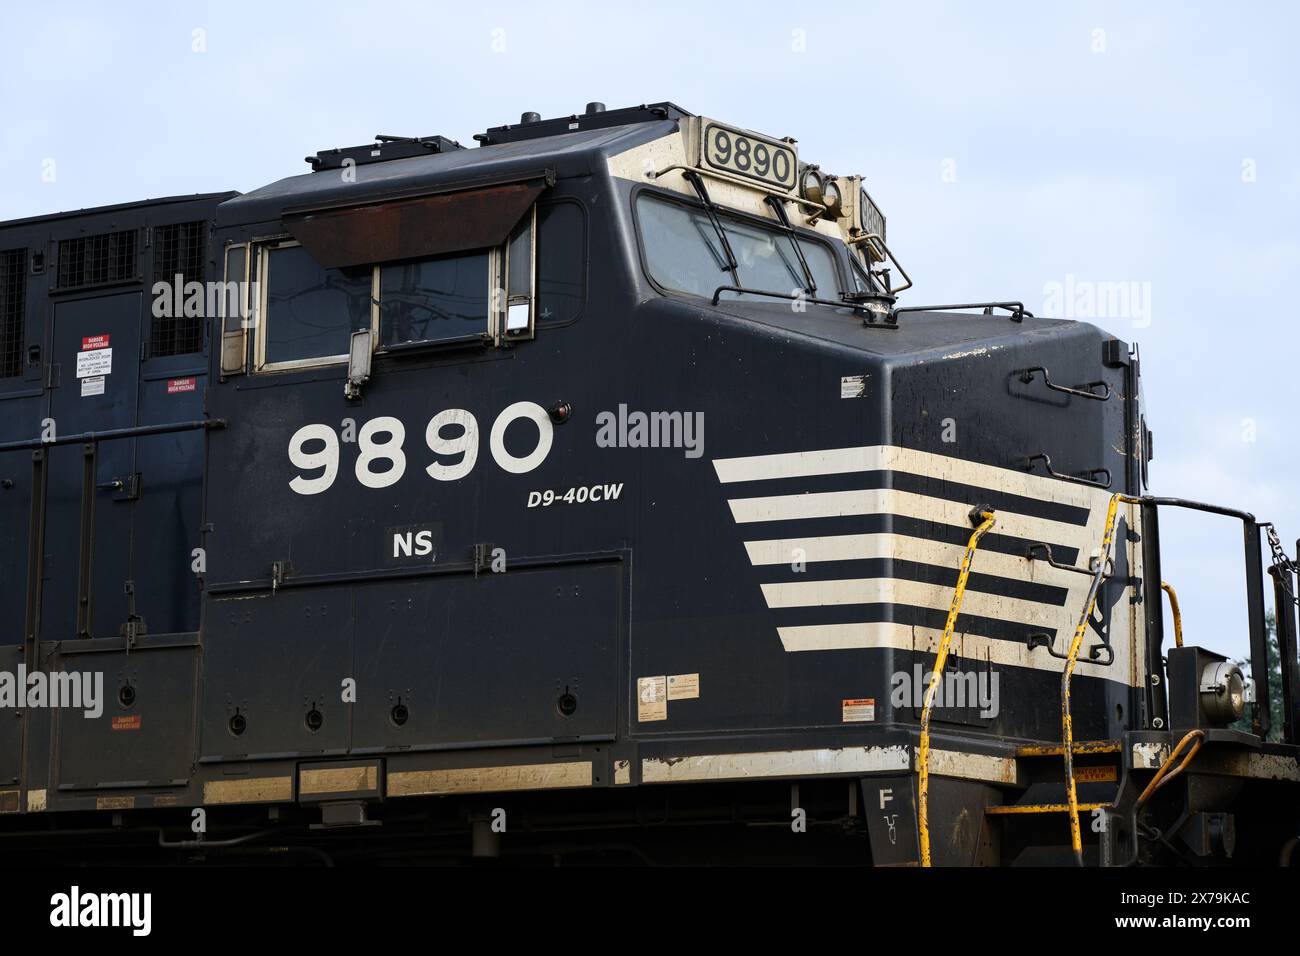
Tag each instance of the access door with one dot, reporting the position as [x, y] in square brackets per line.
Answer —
[93, 387]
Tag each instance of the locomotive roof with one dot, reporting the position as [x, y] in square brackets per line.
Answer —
[117, 207]
[568, 154]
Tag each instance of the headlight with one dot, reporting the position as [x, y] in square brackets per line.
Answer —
[1223, 692]
[832, 198]
[810, 184]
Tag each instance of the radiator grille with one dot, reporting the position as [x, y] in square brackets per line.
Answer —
[179, 249]
[89, 261]
[13, 282]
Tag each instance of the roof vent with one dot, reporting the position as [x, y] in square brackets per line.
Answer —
[595, 107]
[530, 117]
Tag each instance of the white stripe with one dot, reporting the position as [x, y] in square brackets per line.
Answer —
[888, 634]
[805, 763]
[799, 464]
[881, 501]
[899, 547]
[836, 461]
[936, 597]
[776, 763]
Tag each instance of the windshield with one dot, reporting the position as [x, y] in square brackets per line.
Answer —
[683, 253]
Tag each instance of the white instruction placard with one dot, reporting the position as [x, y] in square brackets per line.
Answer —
[95, 362]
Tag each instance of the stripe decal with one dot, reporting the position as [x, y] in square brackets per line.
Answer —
[897, 547]
[915, 593]
[904, 637]
[892, 458]
[806, 763]
[841, 504]
[1007, 586]
[542, 776]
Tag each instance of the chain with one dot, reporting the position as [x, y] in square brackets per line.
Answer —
[1285, 566]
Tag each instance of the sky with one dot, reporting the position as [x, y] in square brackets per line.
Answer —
[1017, 149]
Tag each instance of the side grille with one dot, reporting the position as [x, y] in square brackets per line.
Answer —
[179, 249]
[89, 261]
[13, 286]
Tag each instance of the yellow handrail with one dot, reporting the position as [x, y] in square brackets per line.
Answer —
[923, 755]
[1173, 609]
[1067, 724]
[1163, 775]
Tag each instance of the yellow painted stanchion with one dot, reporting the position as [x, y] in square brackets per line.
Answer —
[923, 754]
[1067, 726]
[1173, 609]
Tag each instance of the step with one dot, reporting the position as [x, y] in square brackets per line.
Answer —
[1045, 808]
[1080, 747]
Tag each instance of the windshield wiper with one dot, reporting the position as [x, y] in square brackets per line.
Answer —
[695, 180]
[810, 284]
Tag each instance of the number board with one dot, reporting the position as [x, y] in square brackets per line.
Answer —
[741, 153]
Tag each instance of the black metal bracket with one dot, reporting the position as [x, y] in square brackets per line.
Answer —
[279, 571]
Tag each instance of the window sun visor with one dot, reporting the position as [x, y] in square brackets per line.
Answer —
[417, 228]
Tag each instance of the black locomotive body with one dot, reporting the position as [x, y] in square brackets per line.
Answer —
[583, 492]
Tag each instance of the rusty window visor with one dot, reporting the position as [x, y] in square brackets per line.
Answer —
[418, 228]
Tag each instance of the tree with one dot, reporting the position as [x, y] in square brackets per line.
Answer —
[1274, 684]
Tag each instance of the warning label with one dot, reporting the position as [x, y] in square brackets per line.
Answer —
[1094, 774]
[130, 722]
[96, 362]
[859, 710]
[175, 385]
[853, 386]
[92, 386]
[89, 342]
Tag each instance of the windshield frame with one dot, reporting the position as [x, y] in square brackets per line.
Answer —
[732, 216]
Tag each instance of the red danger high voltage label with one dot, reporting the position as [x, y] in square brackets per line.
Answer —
[89, 342]
[175, 385]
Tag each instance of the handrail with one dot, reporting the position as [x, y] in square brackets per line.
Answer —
[1017, 309]
[1174, 610]
[1067, 722]
[139, 431]
[1086, 391]
[884, 254]
[796, 297]
[986, 521]
[1163, 775]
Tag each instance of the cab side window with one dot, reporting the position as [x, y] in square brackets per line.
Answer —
[427, 282]
[434, 300]
[309, 313]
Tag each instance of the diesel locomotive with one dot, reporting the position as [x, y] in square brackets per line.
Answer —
[588, 494]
